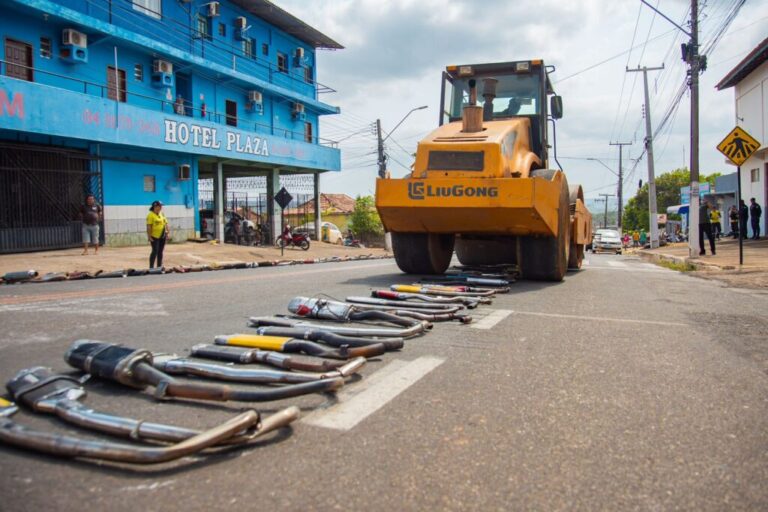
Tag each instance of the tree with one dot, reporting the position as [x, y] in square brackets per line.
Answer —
[365, 221]
[668, 187]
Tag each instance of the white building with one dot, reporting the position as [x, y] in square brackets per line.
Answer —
[750, 82]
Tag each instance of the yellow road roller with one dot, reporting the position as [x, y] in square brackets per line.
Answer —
[482, 184]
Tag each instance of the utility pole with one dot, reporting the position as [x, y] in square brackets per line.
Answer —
[620, 190]
[382, 161]
[696, 65]
[694, 62]
[605, 214]
[653, 219]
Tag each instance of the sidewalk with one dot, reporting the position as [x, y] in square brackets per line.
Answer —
[182, 254]
[724, 265]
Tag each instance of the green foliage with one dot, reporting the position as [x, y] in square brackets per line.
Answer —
[365, 219]
[635, 215]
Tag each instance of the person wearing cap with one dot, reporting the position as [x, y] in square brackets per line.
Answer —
[157, 233]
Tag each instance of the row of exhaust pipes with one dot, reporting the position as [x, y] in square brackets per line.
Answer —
[330, 351]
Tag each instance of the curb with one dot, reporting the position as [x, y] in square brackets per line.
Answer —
[654, 257]
[31, 276]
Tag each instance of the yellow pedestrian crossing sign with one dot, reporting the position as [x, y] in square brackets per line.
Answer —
[738, 146]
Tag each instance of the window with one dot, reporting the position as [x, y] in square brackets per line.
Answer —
[18, 57]
[231, 113]
[45, 48]
[152, 8]
[248, 48]
[116, 84]
[754, 175]
[308, 132]
[264, 49]
[308, 72]
[203, 27]
[149, 183]
[138, 72]
[222, 30]
[282, 62]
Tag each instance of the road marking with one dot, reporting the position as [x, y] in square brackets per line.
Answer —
[22, 299]
[98, 306]
[585, 263]
[601, 318]
[491, 319]
[617, 264]
[358, 401]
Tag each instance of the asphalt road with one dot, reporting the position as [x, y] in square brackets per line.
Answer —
[626, 387]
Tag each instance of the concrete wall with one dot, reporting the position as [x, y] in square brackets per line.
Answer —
[752, 106]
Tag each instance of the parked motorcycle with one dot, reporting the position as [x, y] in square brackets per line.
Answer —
[290, 239]
[351, 241]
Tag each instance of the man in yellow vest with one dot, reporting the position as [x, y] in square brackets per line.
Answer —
[714, 219]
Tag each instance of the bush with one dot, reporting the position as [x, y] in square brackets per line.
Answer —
[364, 221]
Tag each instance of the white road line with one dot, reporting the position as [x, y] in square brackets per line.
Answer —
[359, 401]
[495, 316]
[617, 264]
[601, 318]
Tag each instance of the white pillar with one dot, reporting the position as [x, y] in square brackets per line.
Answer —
[219, 185]
[273, 209]
[318, 221]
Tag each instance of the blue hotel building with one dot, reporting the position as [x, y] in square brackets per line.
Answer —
[135, 100]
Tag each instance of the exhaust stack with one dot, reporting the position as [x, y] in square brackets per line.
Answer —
[472, 116]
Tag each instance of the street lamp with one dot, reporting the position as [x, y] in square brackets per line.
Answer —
[382, 160]
[603, 164]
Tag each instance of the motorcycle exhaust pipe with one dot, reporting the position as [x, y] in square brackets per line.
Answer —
[181, 366]
[133, 368]
[284, 344]
[400, 304]
[340, 312]
[240, 355]
[68, 446]
[43, 391]
[469, 302]
[373, 332]
[456, 291]
[330, 338]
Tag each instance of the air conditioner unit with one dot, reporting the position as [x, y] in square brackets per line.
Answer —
[71, 37]
[299, 59]
[298, 112]
[162, 73]
[254, 96]
[214, 9]
[184, 172]
[240, 22]
[162, 66]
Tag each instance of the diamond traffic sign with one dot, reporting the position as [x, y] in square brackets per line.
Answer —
[738, 146]
[283, 198]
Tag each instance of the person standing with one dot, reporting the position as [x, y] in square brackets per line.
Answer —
[643, 238]
[157, 233]
[743, 216]
[733, 216]
[754, 216]
[635, 238]
[705, 228]
[714, 219]
[90, 214]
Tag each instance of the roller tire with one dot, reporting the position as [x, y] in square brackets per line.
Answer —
[422, 253]
[576, 256]
[499, 251]
[546, 258]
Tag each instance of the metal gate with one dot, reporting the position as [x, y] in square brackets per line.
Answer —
[41, 191]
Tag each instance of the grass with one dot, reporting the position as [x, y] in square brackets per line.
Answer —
[676, 265]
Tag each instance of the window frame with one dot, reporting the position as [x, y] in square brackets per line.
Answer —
[120, 94]
[754, 175]
[203, 21]
[230, 120]
[46, 53]
[308, 132]
[144, 7]
[249, 44]
[282, 62]
[138, 72]
[222, 29]
[265, 49]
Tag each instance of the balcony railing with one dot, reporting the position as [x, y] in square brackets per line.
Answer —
[186, 37]
[163, 105]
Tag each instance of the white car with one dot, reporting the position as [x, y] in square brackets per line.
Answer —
[334, 233]
[607, 240]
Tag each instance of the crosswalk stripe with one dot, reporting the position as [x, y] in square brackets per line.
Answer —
[490, 320]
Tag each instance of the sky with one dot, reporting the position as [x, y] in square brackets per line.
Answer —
[396, 50]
